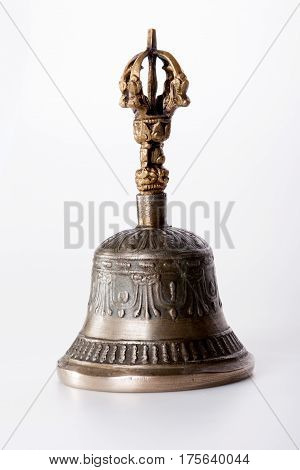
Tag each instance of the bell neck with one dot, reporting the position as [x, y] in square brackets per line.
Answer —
[152, 210]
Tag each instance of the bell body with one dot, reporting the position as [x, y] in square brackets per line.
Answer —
[155, 320]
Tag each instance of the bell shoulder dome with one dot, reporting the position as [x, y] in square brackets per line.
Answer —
[144, 239]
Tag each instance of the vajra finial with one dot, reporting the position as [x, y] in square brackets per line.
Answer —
[152, 121]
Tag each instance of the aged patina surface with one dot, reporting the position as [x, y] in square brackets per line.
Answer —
[155, 320]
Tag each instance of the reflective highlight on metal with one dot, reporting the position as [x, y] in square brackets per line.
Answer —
[155, 320]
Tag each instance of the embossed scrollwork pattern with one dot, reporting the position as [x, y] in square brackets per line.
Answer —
[145, 287]
[101, 294]
[149, 295]
[153, 353]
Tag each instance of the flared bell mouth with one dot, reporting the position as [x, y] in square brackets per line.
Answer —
[168, 379]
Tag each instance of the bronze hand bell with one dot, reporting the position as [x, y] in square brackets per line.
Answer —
[155, 320]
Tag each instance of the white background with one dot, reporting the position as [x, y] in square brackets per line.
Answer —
[46, 158]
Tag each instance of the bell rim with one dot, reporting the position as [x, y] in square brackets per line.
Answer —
[167, 379]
